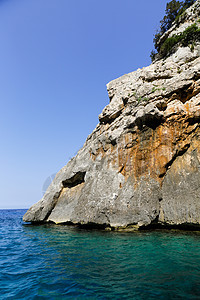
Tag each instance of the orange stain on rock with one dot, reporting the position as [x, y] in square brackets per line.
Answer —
[149, 152]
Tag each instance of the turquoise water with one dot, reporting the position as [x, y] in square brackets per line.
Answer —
[60, 262]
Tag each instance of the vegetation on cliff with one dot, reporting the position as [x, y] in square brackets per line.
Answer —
[187, 37]
[174, 10]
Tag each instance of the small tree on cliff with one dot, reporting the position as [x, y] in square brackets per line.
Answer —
[173, 9]
[188, 3]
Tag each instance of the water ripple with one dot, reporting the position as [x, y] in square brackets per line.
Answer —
[60, 262]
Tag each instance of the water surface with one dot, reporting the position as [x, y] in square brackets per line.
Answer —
[61, 262]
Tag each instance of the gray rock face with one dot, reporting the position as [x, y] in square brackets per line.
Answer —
[140, 166]
[181, 190]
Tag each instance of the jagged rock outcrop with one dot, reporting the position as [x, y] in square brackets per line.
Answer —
[141, 164]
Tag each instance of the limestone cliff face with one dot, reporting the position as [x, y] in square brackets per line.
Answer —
[141, 164]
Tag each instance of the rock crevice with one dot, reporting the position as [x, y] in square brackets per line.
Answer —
[77, 179]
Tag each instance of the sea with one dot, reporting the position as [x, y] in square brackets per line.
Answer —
[64, 262]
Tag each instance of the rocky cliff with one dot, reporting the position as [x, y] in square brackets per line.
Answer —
[141, 164]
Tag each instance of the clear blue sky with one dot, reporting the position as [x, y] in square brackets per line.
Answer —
[56, 57]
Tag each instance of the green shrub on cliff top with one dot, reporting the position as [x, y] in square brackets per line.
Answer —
[190, 35]
[174, 9]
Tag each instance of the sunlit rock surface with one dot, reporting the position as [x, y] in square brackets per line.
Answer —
[141, 164]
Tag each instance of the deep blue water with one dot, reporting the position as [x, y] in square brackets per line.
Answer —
[60, 262]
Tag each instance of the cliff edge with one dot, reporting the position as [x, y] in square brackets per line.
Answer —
[141, 164]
